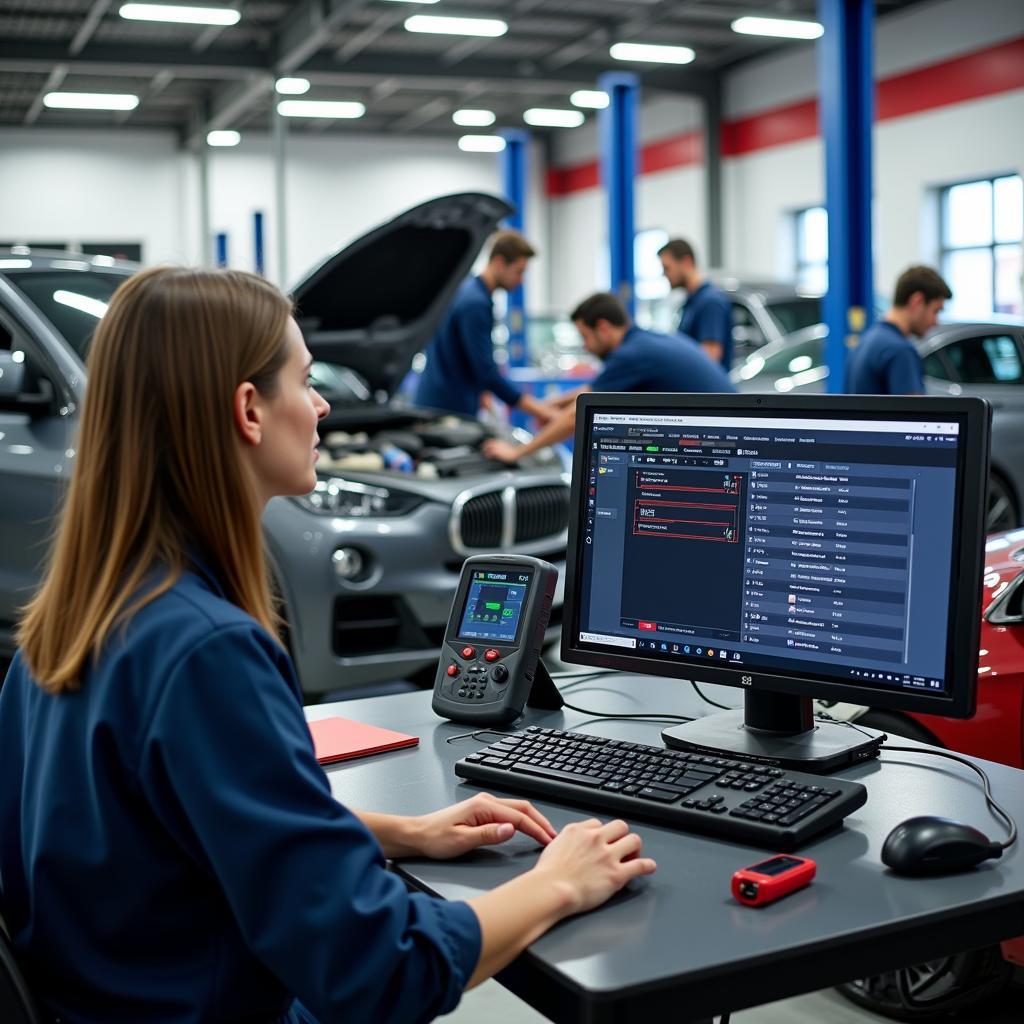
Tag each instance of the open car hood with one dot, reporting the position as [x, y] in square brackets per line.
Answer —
[376, 303]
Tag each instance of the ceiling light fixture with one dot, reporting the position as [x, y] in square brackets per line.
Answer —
[652, 53]
[415, 1]
[469, 118]
[591, 99]
[180, 14]
[223, 138]
[782, 28]
[292, 86]
[544, 117]
[439, 25]
[481, 143]
[90, 101]
[321, 108]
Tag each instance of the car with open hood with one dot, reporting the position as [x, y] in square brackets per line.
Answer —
[366, 564]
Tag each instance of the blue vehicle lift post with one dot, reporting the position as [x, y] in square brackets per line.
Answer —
[257, 239]
[846, 113]
[617, 132]
[222, 248]
[515, 178]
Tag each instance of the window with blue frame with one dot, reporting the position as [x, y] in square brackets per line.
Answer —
[981, 256]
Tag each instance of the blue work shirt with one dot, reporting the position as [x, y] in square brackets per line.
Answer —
[170, 850]
[886, 362]
[460, 357]
[707, 316]
[647, 361]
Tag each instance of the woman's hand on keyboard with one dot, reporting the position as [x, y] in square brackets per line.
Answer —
[592, 860]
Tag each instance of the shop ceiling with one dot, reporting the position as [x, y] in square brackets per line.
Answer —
[193, 79]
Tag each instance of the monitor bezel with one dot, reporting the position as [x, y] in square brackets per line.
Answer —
[974, 415]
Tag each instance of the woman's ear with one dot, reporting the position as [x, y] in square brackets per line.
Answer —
[246, 412]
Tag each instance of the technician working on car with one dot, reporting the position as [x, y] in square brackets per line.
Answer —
[707, 315]
[170, 849]
[635, 360]
[460, 357]
[886, 362]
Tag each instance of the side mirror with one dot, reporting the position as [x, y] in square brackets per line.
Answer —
[12, 375]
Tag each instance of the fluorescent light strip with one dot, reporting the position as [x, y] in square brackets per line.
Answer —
[90, 101]
[652, 53]
[414, 1]
[292, 86]
[13, 264]
[544, 117]
[481, 143]
[591, 99]
[469, 118]
[439, 25]
[782, 28]
[321, 108]
[180, 15]
[223, 138]
[83, 303]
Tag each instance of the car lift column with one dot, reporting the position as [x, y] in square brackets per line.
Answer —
[515, 178]
[279, 132]
[617, 131]
[845, 112]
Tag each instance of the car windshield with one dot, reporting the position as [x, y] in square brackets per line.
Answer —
[795, 314]
[72, 300]
[783, 360]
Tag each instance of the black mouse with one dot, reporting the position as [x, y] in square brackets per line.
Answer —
[936, 846]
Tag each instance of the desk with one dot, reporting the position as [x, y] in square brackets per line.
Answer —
[676, 944]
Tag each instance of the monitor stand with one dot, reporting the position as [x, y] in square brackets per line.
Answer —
[777, 729]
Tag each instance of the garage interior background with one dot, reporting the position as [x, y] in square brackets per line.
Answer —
[950, 101]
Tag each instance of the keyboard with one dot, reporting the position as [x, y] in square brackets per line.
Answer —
[731, 799]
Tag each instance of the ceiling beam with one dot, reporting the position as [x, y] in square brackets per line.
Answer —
[159, 82]
[209, 37]
[89, 26]
[53, 81]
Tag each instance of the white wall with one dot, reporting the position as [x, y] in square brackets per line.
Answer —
[127, 185]
[913, 155]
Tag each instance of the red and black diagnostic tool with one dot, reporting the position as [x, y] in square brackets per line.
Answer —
[772, 879]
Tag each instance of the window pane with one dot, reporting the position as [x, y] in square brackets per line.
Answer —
[1009, 199]
[968, 215]
[934, 367]
[969, 273]
[1009, 268]
[813, 276]
[1004, 357]
[812, 235]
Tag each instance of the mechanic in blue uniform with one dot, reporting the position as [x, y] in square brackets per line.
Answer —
[460, 367]
[886, 361]
[634, 360]
[170, 850]
[707, 315]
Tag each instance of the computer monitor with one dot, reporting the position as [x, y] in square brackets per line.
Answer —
[797, 547]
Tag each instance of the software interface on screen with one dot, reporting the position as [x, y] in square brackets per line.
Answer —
[494, 605]
[802, 546]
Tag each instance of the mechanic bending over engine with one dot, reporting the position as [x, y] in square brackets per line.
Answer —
[634, 360]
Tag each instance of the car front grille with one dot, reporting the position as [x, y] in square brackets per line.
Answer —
[509, 518]
[541, 512]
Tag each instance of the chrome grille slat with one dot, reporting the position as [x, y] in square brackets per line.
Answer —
[509, 518]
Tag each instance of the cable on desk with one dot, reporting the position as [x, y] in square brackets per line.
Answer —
[655, 716]
[478, 732]
[707, 700]
[989, 798]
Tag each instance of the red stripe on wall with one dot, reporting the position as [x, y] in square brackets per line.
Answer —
[986, 72]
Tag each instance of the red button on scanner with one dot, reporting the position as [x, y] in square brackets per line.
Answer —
[453, 670]
[469, 652]
[648, 625]
[492, 654]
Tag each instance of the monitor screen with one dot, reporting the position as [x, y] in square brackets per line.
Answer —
[813, 545]
[494, 605]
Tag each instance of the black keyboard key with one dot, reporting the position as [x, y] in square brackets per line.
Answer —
[664, 796]
[558, 775]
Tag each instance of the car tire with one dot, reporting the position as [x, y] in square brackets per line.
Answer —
[1002, 508]
[934, 989]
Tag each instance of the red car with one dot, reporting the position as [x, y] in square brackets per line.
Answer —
[996, 733]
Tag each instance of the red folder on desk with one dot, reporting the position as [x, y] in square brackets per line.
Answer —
[338, 739]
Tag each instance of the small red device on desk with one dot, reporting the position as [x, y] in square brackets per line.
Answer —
[771, 879]
[338, 739]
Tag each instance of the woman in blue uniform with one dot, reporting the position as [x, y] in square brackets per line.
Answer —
[169, 848]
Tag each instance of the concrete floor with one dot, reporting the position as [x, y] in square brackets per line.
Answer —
[491, 1003]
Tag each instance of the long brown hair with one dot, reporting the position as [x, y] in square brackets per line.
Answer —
[159, 473]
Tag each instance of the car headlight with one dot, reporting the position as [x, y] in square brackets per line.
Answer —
[335, 496]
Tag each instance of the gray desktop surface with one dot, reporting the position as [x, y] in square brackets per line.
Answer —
[677, 942]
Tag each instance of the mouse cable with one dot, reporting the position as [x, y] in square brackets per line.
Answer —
[989, 798]
[651, 716]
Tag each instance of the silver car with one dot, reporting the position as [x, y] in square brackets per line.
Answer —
[984, 358]
[367, 564]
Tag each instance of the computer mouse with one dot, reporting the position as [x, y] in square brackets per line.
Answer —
[930, 845]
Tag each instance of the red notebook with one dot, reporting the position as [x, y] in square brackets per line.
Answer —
[338, 739]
